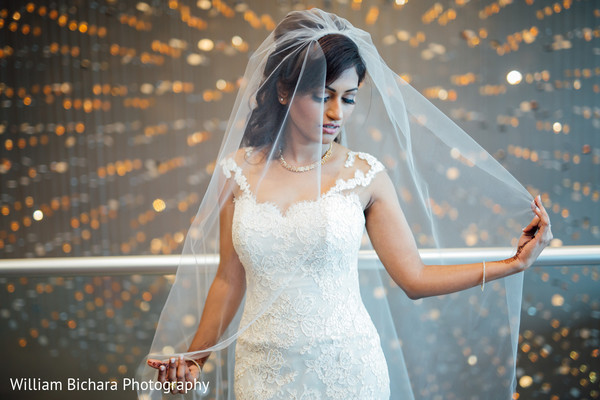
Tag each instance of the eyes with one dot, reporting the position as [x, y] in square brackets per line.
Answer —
[347, 100]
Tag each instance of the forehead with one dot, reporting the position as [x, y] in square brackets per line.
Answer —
[347, 80]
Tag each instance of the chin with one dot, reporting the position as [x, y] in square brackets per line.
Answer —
[328, 139]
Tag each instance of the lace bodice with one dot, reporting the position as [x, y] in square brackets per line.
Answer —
[312, 334]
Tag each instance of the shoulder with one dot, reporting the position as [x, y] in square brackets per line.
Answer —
[365, 162]
[238, 156]
[230, 163]
[232, 170]
[359, 169]
[371, 173]
[237, 160]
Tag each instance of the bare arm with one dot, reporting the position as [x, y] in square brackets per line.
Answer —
[222, 302]
[395, 245]
[227, 289]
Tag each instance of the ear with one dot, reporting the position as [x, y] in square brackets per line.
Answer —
[282, 94]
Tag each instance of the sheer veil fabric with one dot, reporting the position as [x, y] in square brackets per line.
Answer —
[452, 192]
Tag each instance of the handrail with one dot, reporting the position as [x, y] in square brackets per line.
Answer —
[167, 264]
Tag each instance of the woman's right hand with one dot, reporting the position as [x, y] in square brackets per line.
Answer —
[177, 371]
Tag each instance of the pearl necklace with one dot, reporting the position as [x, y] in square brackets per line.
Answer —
[305, 168]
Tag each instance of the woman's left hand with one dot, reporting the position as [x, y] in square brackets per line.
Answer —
[536, 236]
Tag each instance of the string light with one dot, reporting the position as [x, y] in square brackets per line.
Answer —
[514, 77]
[109, 155]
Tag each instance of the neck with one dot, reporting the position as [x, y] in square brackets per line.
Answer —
[301, 153]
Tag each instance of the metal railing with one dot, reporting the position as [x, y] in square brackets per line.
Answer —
[167, 264]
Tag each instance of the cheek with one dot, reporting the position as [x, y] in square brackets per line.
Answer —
[348, 112]
[307, 110]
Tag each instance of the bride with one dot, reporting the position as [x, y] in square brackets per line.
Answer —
[294, 189]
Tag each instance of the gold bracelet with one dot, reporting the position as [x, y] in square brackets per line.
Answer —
[483, 281]
[194, 361]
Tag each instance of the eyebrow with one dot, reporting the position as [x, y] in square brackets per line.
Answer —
[335, 91]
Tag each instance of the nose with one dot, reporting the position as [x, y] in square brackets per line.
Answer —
[334, 110]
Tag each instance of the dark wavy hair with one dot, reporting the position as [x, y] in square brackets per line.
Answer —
[284, 65]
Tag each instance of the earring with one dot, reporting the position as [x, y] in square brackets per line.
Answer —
[281, 99]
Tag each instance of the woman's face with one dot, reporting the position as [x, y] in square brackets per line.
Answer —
[320, 115]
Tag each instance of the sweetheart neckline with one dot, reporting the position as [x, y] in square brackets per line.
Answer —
[360, 178]
[353, 197]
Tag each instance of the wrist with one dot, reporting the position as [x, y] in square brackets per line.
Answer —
[515, 264]
[199, 355]
[199, 344]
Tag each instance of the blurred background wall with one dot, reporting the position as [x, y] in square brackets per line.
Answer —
[112, 112]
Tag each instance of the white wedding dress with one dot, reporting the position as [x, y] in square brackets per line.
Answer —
[316, 339]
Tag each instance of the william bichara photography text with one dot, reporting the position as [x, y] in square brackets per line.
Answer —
[78, 384]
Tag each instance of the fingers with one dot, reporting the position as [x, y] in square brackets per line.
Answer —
[181, 367]
[172, 374]
[154, 363]
[530, 229]
[543, 224]
[162, 374]
[545, 220]
[536, 236]
[173, 371]
[188, 375]
[162, 369]
[541, 212]
[533, 226]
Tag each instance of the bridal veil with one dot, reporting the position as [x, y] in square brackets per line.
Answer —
[452, 192]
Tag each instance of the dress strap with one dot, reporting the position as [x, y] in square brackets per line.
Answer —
[230, 166]
[360, 178]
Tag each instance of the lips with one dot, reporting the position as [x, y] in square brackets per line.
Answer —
[330, 128]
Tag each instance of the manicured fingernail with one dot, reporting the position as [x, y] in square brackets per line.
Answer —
[181, 357]
[172, 360]
[162, 367]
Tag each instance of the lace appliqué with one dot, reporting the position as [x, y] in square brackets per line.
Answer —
[360, 178]
[312, 337]
[230, 166]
